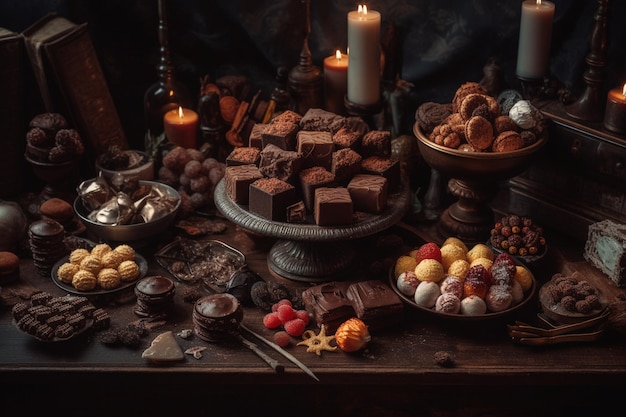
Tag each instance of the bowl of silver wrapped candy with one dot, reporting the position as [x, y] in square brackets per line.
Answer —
[120, 209]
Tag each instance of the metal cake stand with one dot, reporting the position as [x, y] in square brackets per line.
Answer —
[309, 253]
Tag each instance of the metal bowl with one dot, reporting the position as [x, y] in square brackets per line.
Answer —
[130, 232]
[143, 168]
[475, 166]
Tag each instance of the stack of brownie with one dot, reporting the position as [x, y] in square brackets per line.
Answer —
[320, 164]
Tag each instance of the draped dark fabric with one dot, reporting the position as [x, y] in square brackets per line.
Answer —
[438, 44]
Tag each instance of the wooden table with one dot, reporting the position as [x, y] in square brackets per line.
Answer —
[395, 375]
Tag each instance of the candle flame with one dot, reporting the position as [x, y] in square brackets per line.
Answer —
[362, 9]
[338, 55]
[538, 2]
[180, 112]
[624, 90]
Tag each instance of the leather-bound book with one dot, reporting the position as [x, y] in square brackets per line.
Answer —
[12, 136]
[71, 80]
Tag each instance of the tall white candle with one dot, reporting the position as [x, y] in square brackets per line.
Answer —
[535, 37]
[364, 56]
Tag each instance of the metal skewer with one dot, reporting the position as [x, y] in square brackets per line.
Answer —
[282, 351]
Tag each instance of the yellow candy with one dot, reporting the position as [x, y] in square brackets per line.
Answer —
[458, 268]
[487, 263]
[524, 277]
[405, 263]
[455, 241]
[430, 270]
[479, 250]
[100, 250]
[451, 253]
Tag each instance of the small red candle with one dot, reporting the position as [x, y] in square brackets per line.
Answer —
[181, 127]
[335, 82]
[615, 113]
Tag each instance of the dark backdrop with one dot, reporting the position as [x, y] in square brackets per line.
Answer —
[442, 43]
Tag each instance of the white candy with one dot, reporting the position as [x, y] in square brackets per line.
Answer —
[426, 294]
[525, 115]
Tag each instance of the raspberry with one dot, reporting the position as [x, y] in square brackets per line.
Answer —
[282, 338]
[272, 320]
[279, 303]
[295, 327]
[478, 273]
[304, 315]
[428, 250]
[285, 313]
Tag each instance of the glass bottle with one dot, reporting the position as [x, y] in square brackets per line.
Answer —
[165, 94]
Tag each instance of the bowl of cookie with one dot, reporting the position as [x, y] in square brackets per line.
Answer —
[477, 137]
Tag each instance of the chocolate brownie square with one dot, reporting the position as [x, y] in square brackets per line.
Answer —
[376, 143]
[387, 167]
[369, 193]
[281, 131]
[243, 155]
[237, 180]
[279, 163]
[311, 179]
[346, 138]
[316, 148]
[333, 206]
[345, 164]
[255, 139]
[316, 119]
[270, 197]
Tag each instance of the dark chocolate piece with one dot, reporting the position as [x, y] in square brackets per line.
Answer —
[346, 163]
[333, 206]
[375, 303]
[316, 148]
[279, 163]
[255, 140]
[243, 155]
[296, 213]
[155, 295]
[311, 179]
[217, 317]
[281, 133]
[328, 304]
[237, 181]
[345, 138]
[368, 192]
[376, 143]
[316, 119]
[270, 197]
[387, 167]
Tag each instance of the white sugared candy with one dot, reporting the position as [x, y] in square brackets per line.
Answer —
[448, 303]
[525, 115]
[426, 294]
[407, 283]
[473, 305]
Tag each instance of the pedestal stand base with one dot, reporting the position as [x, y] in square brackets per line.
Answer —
[311, 261]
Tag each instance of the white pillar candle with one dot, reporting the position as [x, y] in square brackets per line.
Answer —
[535, 37]
[364, 56]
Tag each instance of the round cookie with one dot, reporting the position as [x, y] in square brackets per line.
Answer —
[84, 280]
[479, 132]
[507, 142]
[77, 255]
[444, 135]
[109, 278]
[101, 249]
[127, 252]
[9, 267]
[66, 272]
[504, 123]
[129, 270]
[463, 91]
[471, 103]
[57, 209]
[430, 114]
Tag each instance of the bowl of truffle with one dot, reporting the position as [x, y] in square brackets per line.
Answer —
[129, 163]
[133, 211]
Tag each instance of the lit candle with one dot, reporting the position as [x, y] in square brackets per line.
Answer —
[181, 127]
[535, 37]
[335, 82]
[615, 113]
[364, 56]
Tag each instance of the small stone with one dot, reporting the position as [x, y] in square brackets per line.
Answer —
[444, 359]
[163, 348]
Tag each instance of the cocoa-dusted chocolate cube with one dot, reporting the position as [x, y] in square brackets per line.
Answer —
[376, 143]
[333, 206]
[280, 132]
[270, 197]
[316, 148]
[346, 138]
[368, 192]
[387, 167]
[237, 180]
[311, 179]
[316, 119]
[345, 164]
[279, 163]
[243, 155]
[255, 140]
